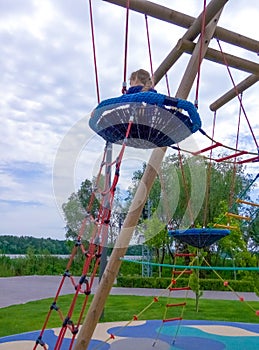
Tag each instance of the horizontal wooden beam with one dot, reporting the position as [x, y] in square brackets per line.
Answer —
[228, 96]
[217, 56]
[168, 15]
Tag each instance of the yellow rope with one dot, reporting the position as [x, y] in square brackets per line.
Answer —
[231, 289]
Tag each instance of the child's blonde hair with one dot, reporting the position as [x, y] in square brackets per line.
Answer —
[143, 77]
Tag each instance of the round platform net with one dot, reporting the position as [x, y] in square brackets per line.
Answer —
[153, 125]
[199, 237]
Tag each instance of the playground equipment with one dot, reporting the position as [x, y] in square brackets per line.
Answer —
[126, 121]
[152, 123]
[199, 237]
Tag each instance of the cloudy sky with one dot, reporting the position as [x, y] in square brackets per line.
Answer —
[48, 89]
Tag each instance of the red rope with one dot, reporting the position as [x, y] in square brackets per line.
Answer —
[119, 160]
[94, 252]
[200, 53]
[93, 195]
[124, 84]
[98, 236]
[149, 49]
[94, 51]
[104, 217]
[237, 94]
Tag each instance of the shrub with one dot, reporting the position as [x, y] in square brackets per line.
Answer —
[205, 284]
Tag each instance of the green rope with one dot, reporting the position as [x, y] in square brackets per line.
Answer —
[195, 267]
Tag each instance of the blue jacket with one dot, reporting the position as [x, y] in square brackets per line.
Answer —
[138, 88]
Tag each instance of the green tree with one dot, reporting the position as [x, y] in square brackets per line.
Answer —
[79, 206]
[87, 197]
[190, 191]
[19, 245]
[74, 216]
[157, 239]
[87, 203]
[154, 195]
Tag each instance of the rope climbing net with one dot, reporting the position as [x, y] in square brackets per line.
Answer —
[96, 229]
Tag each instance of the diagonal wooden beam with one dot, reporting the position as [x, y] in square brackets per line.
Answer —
[200, 49]
[228, 96]
[171, 16]
[189, 35]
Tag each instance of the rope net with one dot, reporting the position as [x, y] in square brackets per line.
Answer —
[97, 231]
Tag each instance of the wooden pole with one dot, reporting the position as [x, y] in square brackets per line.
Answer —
[245, 84]
[168, 15]
[119, 250]
[122, 242]
[193, 65]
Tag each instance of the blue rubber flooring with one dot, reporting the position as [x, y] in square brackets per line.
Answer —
[153, 334]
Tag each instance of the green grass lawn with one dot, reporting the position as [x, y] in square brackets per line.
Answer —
[31, 316]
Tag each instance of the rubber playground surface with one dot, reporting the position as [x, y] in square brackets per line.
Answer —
[138, 335]
[146, 335]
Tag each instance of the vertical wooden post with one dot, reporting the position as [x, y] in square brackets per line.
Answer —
[136, 207]
[119, 250]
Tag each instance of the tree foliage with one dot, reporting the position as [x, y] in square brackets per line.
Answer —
[86, 202]
[78, 206]
[190, 191]
[20, 245]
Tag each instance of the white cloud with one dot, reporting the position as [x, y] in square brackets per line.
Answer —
[48, 88]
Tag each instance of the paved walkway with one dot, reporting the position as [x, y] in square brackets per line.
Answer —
[20, 290]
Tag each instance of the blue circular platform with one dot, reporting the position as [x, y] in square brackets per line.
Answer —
[199, 237]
